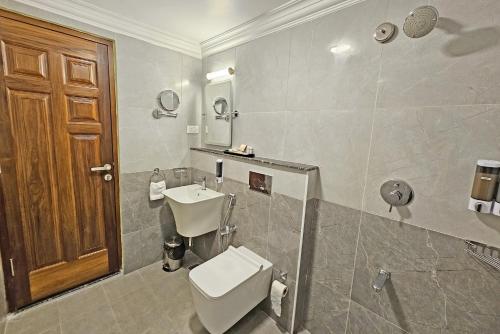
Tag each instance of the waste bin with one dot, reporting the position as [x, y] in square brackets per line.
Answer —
[173, 253]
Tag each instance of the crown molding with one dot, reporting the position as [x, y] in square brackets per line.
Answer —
[288, 15]
[104, 19]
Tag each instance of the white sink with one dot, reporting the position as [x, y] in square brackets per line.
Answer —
[196, 211]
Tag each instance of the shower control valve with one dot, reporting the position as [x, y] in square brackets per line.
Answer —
[396, 193]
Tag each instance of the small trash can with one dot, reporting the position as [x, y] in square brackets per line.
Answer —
[173, 253]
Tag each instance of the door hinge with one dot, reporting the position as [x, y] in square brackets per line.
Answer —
[12, 271]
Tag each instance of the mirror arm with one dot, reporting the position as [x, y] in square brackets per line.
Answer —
[157, 113]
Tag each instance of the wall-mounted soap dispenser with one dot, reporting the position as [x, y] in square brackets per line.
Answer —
[496, 204]
[218, 171]
[485, 186]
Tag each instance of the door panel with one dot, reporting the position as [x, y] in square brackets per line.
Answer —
[30, 114]
[64, 276]
[60, 217]
[89, 209]
[24, 60]
[80, 72]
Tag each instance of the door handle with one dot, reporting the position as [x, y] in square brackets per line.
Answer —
[105, 168]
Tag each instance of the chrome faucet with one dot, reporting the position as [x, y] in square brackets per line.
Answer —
[202, 182]
[379, 282]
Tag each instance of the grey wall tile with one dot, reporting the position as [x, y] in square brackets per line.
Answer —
[145, 223]
[434, 149]
[269, 226]
[434, 286]
[307, 251]
[453, 67]
[285, 320]
[362, 320]
[285, 219]
[132, 255]
[320, 80]
[262, 65]
[332, 247]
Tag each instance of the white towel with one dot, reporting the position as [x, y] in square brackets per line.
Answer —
[155, 189]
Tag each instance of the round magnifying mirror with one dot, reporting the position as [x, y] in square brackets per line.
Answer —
[220, 106]
[169, 100]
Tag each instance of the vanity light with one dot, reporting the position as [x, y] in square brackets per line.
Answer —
[220, 74]
[341, 48]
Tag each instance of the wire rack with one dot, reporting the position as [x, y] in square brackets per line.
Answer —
[484, 253]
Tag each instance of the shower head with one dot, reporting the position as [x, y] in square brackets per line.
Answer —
[420, 21]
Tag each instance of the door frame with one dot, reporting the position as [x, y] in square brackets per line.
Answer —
[5, 247]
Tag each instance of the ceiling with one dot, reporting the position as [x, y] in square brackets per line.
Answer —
[195, 20]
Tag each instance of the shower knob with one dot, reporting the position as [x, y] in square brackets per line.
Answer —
[396, 193]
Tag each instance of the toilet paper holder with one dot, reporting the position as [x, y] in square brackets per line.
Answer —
[280, 275]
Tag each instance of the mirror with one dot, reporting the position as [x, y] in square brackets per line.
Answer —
[218, 113]
[220, 106]
[168, 100]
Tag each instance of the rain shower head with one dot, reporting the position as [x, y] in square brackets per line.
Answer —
[420, 21]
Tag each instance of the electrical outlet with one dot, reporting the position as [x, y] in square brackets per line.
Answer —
[193, 129]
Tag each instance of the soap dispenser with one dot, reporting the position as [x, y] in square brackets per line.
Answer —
[496, 204]
[485, 186]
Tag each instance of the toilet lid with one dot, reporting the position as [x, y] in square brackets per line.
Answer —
[222, 274]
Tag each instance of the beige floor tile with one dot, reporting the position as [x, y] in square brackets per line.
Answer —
[100, 320]
[148, 301]
[43, 318]
[122, 285]
[81, 301]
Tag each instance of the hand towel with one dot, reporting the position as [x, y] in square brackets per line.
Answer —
[155, 189]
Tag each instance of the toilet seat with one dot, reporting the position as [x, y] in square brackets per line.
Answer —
[225, 272]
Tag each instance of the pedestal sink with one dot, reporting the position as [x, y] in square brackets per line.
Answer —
[196, 211]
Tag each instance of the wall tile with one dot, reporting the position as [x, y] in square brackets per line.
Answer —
[360, 319]
[435, 149]
[454, 62]
[307, 251]
[332, 245]
[267, 225]
[146, 224]
[285, 219]
[192, 95]
[132, 257]
[334, 140]
[285, 321]
[320, 80]
[264, 131]
[251, 215]
[262, 73]
[435, 286]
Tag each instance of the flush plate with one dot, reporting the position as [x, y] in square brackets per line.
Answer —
[260, 182]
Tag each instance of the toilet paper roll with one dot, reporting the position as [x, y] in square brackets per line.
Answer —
[278, 292]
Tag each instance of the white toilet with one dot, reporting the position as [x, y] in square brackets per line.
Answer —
[228, 286]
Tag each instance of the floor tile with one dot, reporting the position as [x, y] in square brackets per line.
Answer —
[43, 318]
[122, 285]
[147, 301]
[100, 320]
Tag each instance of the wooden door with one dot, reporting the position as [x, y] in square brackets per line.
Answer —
[58, 218]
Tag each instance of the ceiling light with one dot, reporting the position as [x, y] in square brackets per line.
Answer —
[220, 74]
